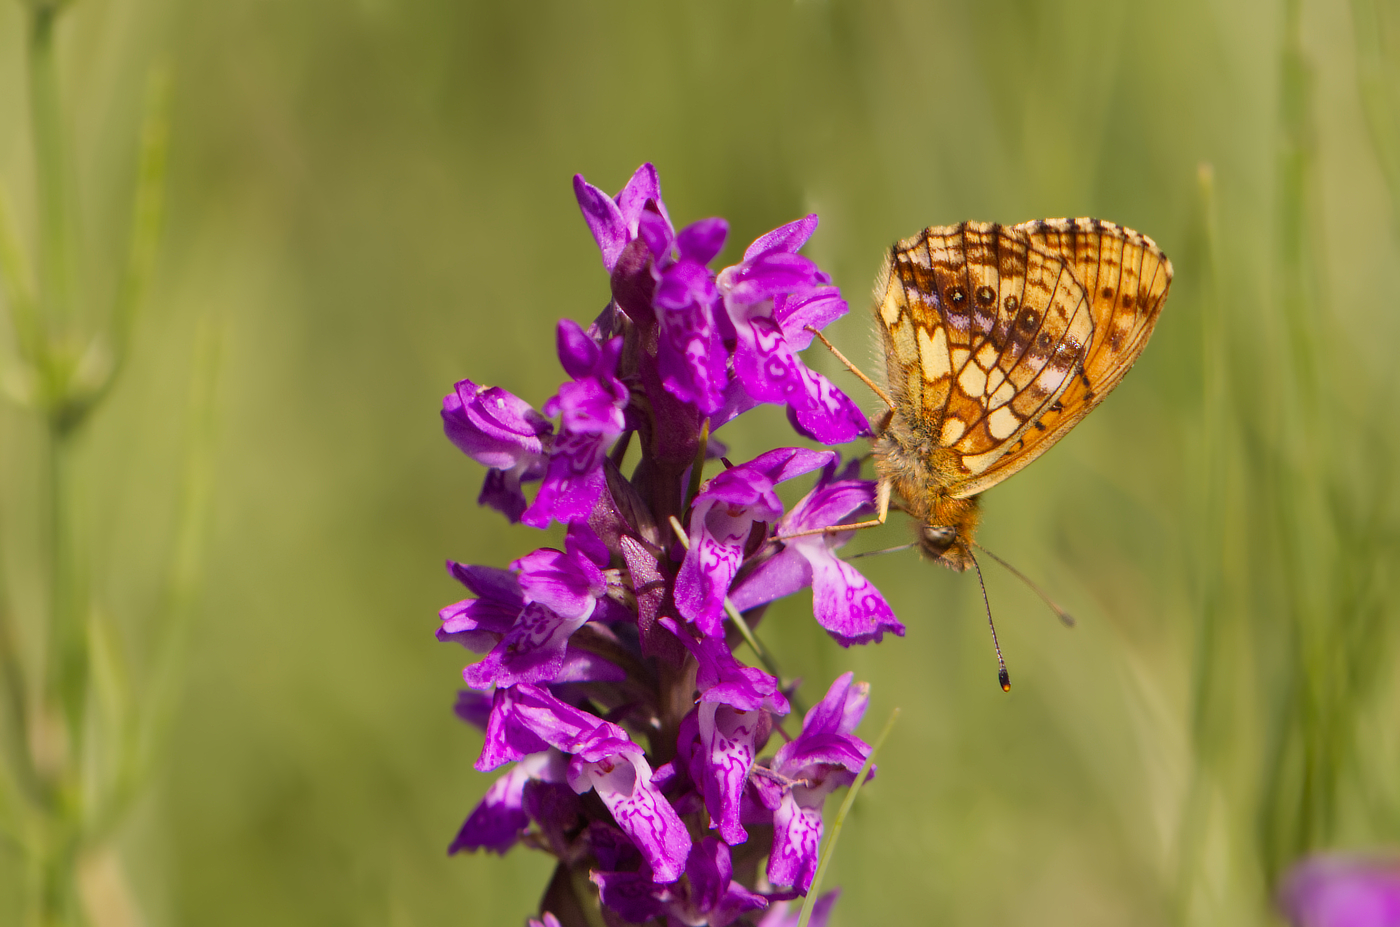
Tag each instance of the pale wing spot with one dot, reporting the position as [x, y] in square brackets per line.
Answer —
[934, 353]
[890, 308]
[960, 356]
[953, 429]
[995, 379]
[987, 355]
[1003, 423]
[1003, 394]
[902, 336]
[973, 381]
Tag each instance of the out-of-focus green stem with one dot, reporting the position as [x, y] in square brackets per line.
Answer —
[18, 287]
[1209, 545]
[1378, 92]
[55, 254]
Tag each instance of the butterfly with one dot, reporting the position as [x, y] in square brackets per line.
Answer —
[997, 340]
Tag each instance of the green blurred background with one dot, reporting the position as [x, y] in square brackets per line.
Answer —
[370, 199]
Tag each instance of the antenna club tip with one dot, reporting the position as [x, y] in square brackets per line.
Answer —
[1005, 679]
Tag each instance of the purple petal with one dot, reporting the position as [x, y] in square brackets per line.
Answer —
[497, 822]
[701, 241]
[492, 426]
[817, 308]
[501, 489]
[605, 220]
[578, 353]
[655, 230]
[631, 895]
[728, 738]
[784, 463]
[473, 708]
[642, 186]
[830, 416]
[574, 482]
[830, 503]
[843, 601]
[760, 281]
[623, 781]
[788, 237]
[531, 652]
[777, 577]
[526, 719]
[767, 368]
[566, 584]
[796, 833]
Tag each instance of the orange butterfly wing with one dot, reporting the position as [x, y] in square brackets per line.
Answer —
[998, 339]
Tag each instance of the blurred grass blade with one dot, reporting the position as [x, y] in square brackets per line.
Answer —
[17, 283]
[103, 362]
[147, 213]
[1380, 101]
[157, 706]
[813, 891]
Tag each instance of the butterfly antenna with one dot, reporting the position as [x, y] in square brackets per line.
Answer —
[1002, 675]
[1065, 617]
[887, 550]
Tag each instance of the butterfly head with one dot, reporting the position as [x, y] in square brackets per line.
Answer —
[947, 532]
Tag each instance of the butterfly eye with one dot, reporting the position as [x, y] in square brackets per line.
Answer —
[955, 295]
[1011, 303]
[1030, 320]
[986, 296]
[939, 538]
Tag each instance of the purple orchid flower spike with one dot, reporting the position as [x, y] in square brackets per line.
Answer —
[1342, 890]
[625, 727]
[824, 757]
[843, 601]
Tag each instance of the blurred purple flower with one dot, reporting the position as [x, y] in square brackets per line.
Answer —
[843, 601]
[1342, 890]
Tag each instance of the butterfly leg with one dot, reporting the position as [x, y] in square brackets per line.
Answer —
[853, 368]
[882, 505]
